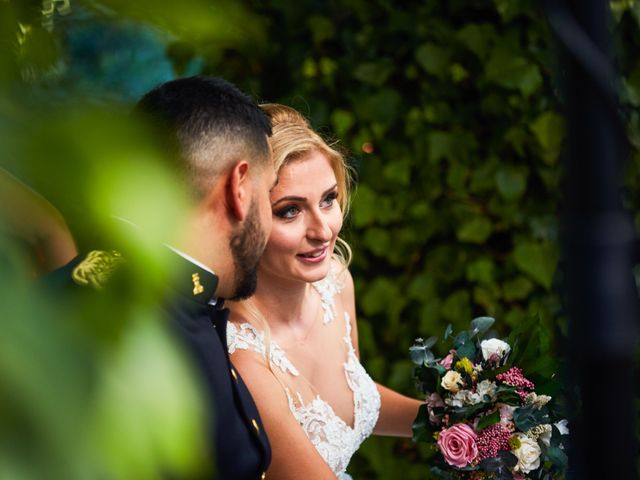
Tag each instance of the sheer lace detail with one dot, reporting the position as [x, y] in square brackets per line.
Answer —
[328, 287]
[246, 337]
[335, 440]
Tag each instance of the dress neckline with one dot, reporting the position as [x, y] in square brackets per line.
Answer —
[280, 359]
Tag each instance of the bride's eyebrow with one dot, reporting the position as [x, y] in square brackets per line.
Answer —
[293, 198]
[289, 198]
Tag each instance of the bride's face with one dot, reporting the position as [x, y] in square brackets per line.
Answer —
[306, 220]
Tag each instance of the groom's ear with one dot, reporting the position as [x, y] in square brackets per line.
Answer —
[238, 190]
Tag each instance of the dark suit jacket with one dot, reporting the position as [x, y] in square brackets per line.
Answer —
[237, 439]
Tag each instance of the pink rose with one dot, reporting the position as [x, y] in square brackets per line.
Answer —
[458, 445]
[447, 361]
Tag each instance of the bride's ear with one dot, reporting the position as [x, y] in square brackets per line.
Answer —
[238, 190]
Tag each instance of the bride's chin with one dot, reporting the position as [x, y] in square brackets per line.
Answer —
[317, 273]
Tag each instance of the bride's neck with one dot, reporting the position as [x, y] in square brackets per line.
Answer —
[281, 302]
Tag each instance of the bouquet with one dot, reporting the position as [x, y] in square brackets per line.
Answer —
[482, 413]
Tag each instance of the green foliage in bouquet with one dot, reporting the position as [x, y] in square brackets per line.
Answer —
[481, 414]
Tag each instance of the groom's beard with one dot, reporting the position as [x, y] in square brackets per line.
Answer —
[247, 246]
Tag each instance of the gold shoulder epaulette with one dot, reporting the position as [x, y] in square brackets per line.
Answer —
[96, 269]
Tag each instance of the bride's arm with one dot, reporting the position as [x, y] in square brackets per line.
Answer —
[293, 455]
[397, 411]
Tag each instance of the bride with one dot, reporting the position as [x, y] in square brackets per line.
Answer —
[295, 342]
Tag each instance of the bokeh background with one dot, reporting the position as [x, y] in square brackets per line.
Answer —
[450, 112]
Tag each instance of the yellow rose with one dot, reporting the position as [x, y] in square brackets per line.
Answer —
[451, 381]
[465, 364]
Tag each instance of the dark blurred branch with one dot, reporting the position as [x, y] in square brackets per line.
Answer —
[598, 246]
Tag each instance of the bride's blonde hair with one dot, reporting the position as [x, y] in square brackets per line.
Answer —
[293, 139]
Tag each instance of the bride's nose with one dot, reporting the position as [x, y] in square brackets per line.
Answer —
[318, 227]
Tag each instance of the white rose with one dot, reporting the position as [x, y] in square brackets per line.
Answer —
[494, 346]
[451, 381]
[528, 454]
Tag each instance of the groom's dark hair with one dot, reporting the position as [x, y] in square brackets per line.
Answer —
[208, 124]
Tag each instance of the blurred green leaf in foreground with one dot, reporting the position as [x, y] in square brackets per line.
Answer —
[96, 387]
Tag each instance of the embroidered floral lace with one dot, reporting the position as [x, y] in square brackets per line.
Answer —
[334, 439]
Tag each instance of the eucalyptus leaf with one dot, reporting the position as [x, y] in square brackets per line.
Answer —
[417, 354]
[429, 357]
[448, 331]
[430, 342]
[557, 456]
[461, 339]
[528, 417]
[480, 325]
[466, 350]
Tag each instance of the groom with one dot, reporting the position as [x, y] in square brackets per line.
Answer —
[218, 139]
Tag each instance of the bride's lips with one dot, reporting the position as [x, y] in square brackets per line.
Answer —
[313, 256]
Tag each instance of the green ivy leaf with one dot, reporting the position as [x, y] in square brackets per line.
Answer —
[517, 289]
[379, 295]
[477, 37]
[511, 183]
[374, 73]
[382, 107]
[457, 176]
[378, 241]
[456, 306]
[475, 230]
[481, 270]
[441, 145]
[511, 71]
[342, 121]
[538, 260]
[433, 59]
[322, 28]
[549, 130]
[364, 205]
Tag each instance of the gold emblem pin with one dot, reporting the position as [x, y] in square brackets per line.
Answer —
[197, 286]
[96, 268]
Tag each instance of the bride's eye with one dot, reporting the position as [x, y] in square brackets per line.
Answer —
[329, 199]
[290, 211]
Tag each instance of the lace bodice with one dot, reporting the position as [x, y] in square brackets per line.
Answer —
[335, 440]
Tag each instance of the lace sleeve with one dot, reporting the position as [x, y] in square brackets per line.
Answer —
[247, 337]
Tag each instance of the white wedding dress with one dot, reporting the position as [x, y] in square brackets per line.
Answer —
[335, 440]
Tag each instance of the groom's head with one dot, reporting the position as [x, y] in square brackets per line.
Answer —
[217, 139]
